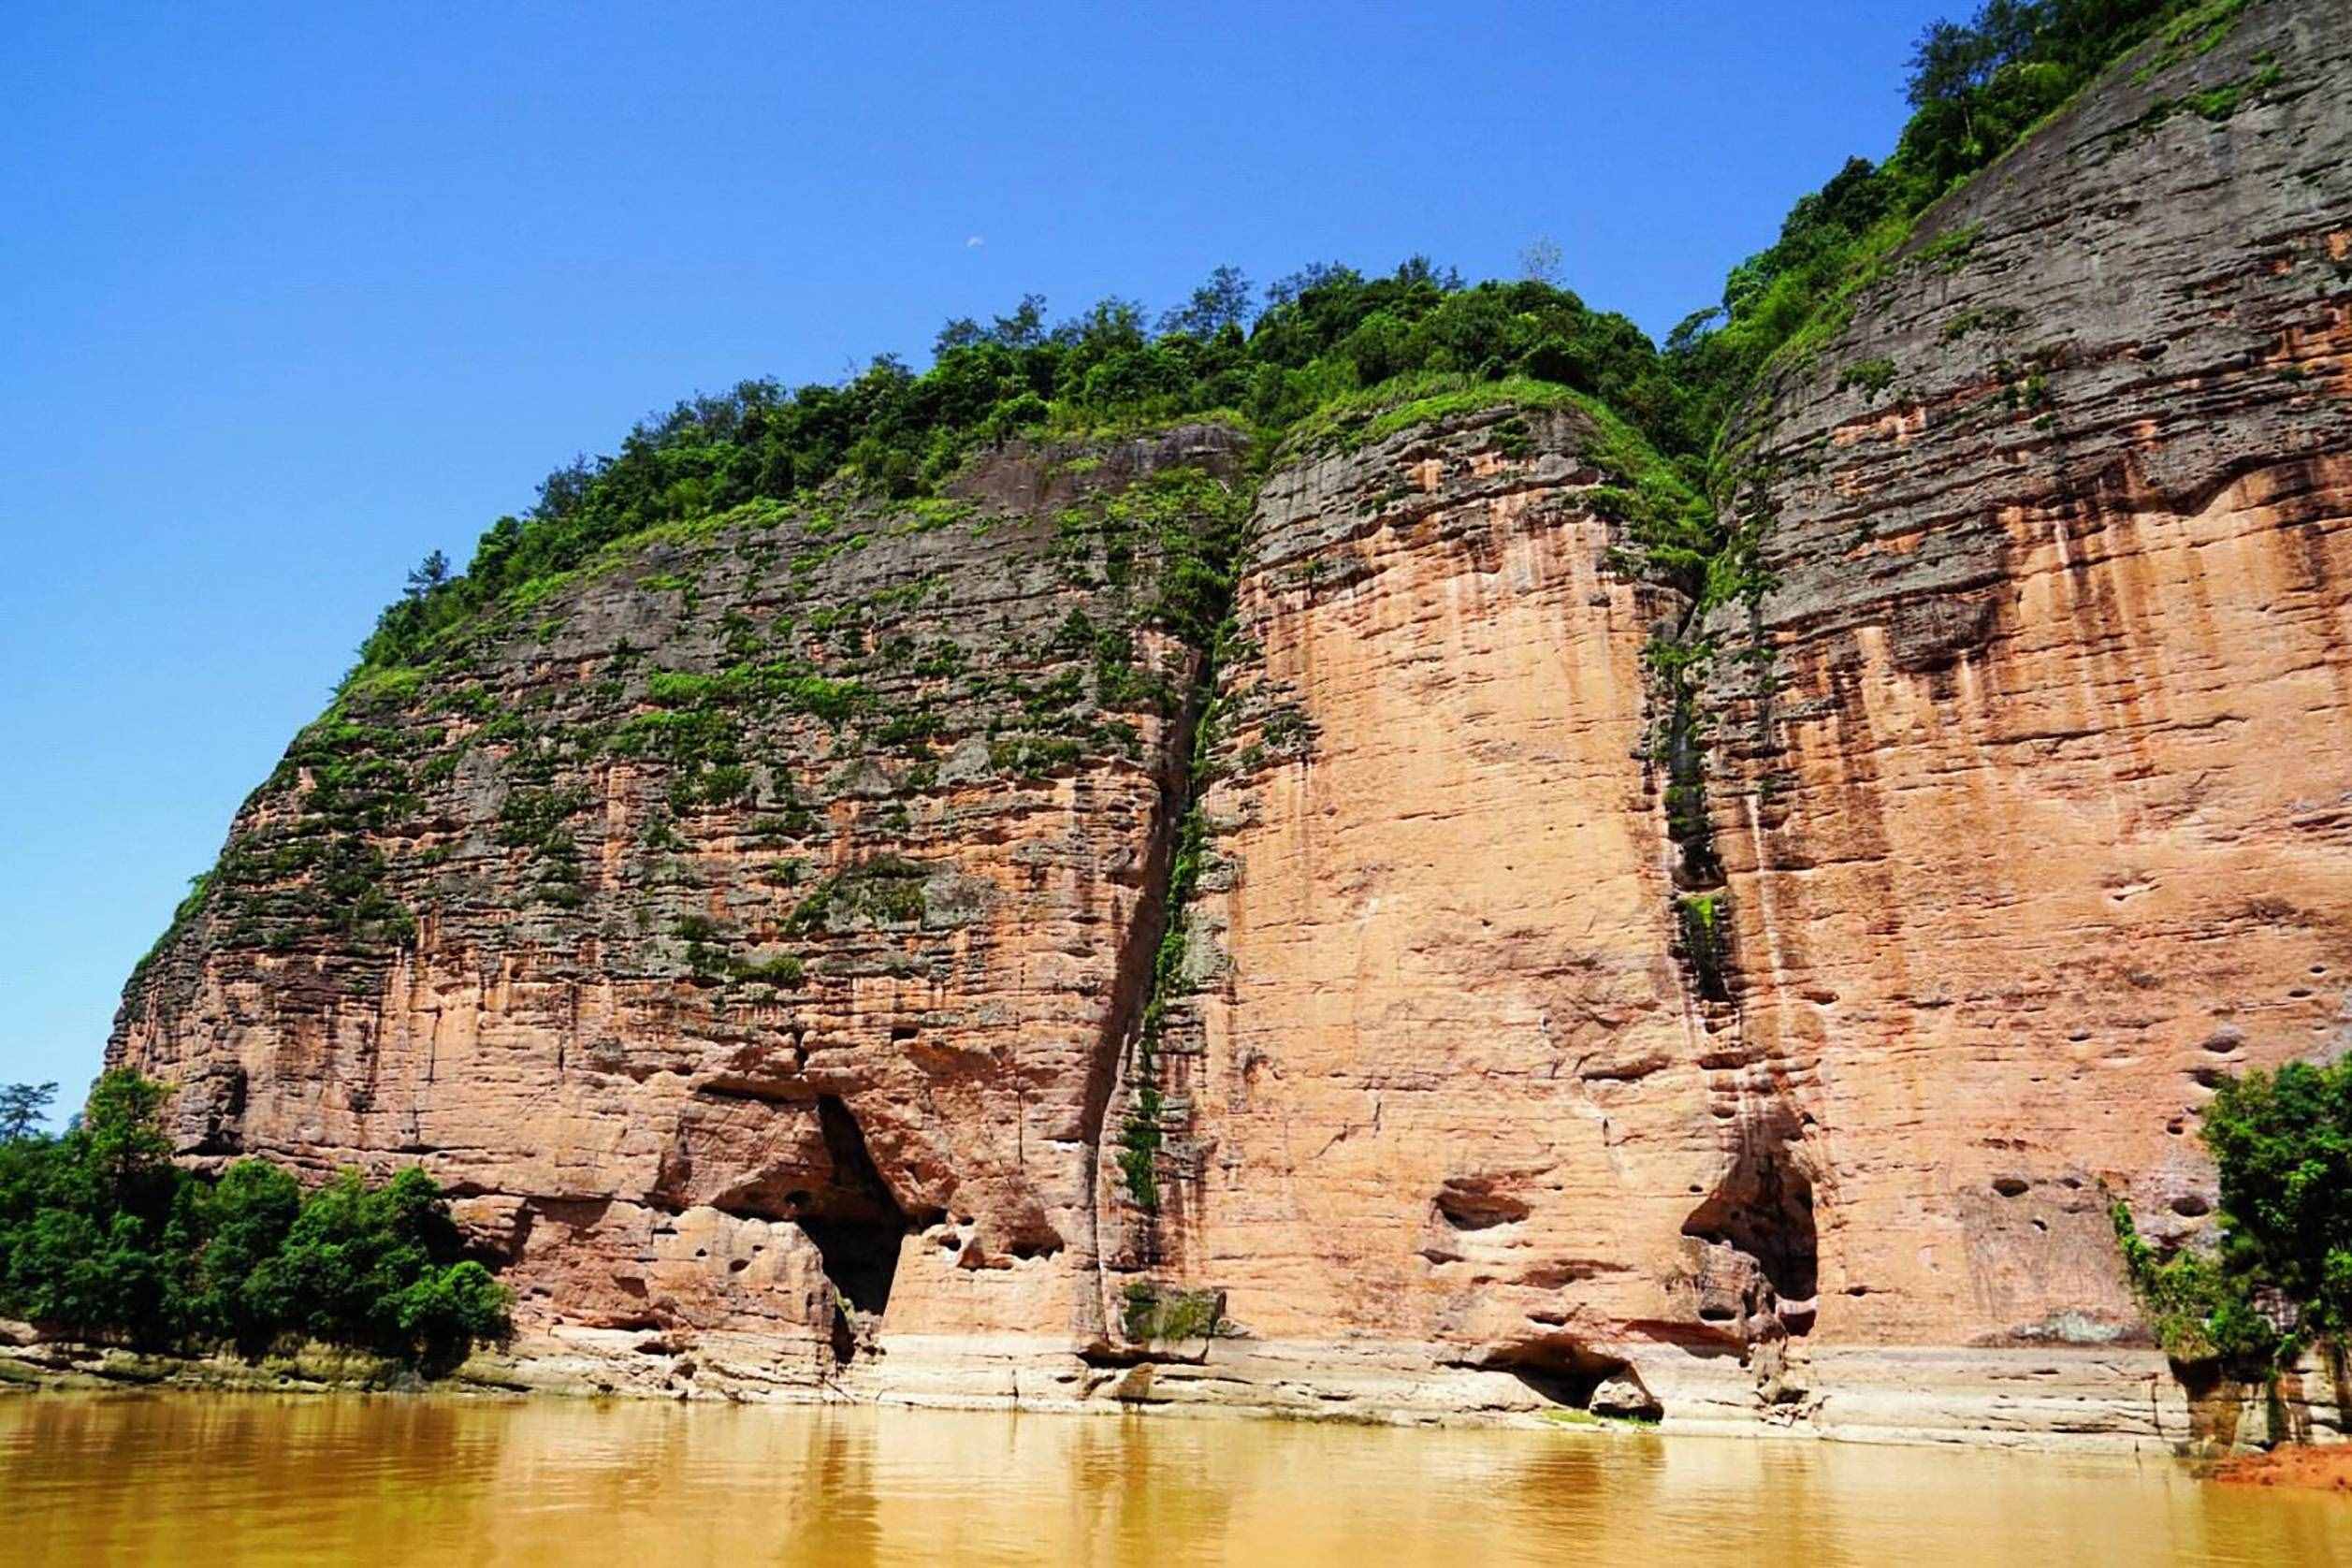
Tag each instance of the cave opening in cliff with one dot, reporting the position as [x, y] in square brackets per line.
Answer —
[854, 1220]
[1568, 1373]
[1763, 1207]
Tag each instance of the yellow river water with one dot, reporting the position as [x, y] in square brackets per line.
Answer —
[214, 1480]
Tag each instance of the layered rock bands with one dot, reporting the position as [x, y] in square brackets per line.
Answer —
[914, 952]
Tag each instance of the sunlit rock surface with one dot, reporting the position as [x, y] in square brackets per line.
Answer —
[798, 1036]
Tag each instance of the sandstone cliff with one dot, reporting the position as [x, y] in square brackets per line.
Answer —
[909, 952]
[2034, 794]
[745, 931]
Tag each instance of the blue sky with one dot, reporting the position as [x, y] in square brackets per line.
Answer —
[290, 295]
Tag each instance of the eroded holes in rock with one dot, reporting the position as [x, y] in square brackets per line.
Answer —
[901, 1033]
[2010, 1187]
[2190, 1205]
[1763, 1206]
[1471, 1203]
[855, 1222]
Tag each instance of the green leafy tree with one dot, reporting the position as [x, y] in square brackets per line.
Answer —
[85, 1249]
[427, 575]
[244, 1221]
[2281, 1274]
[23, 1107]
[2284, 1142]
[376, 1266]
[442, 1311]
[1222, 302]
[120, 1144]
[104, 1239]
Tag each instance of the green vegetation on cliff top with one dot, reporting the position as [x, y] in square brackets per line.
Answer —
[1323, 345]
[1323, 360]
[1323, 337]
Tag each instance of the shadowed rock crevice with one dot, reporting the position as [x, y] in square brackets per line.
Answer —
[1762, 1208]
[1477, 1203]
[855, 1222]
[1123, 1020]
[1574, 1376]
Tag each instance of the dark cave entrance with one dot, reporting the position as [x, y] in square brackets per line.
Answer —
[1573, 1377]
[1763, 1207]
[855, 1222]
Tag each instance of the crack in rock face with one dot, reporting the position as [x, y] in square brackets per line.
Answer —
[887, 926]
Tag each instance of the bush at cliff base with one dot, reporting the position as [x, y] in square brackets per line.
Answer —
[103, 1238]
[2281, 1274]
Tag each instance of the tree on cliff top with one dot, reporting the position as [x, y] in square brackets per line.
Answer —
[23, 1107]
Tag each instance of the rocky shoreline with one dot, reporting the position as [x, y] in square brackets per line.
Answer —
[2057, 1398]
[1359, 904]
[2297, 1465]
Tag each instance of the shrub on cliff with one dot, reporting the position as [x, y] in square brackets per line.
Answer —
[1325, 332]
[103, 1238]
[1975, 89]
[2284, 1141]
[2281, 1274]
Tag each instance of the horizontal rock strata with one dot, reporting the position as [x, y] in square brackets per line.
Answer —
[910, 951]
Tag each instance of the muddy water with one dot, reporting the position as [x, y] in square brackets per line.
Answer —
[209, 1480]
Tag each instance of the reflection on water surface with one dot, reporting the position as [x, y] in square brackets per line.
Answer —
[217, 1479]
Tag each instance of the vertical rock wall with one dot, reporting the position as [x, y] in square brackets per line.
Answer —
[750, 924]
[1440, 1083]
[2040, 815]
[823, 955]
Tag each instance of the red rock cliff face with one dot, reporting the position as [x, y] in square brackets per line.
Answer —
[768, 932]
[2043, 813]
[1440, 1082]
[745, 932]
[2027, 812]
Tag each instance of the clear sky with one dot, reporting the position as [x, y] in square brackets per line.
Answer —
[292, 295]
